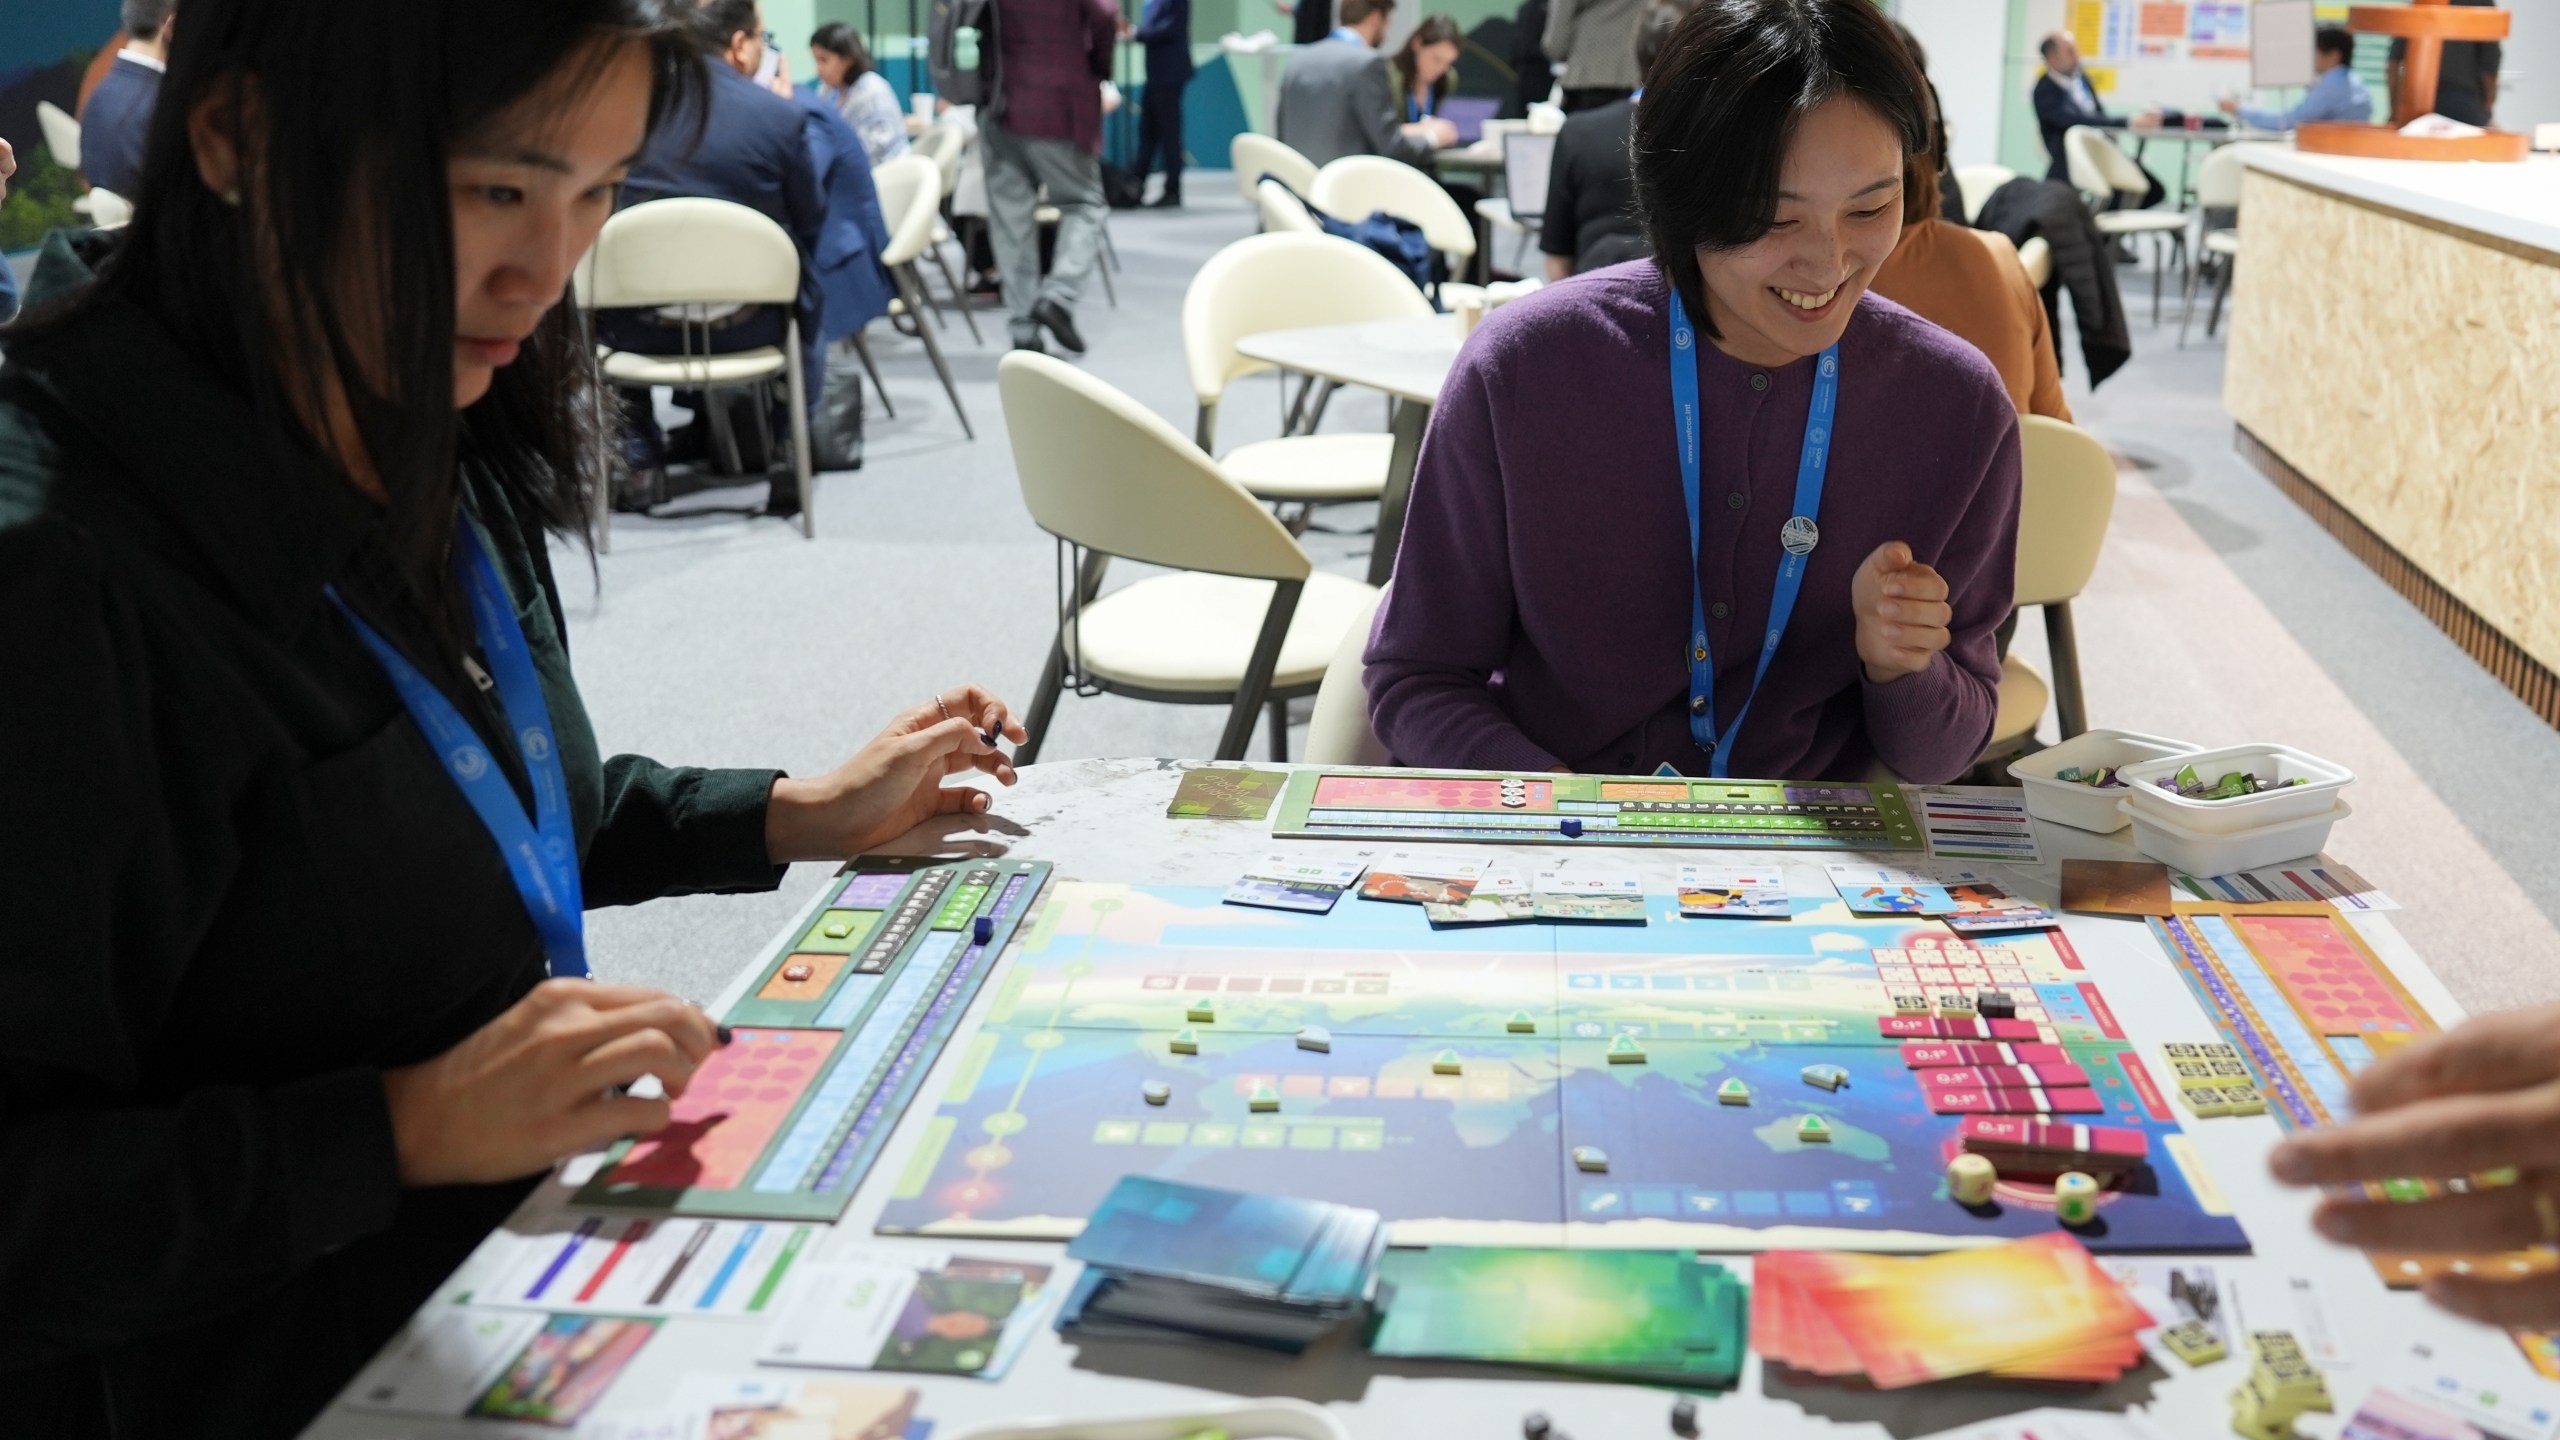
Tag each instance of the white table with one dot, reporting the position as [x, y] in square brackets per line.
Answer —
[1406, 359]
[1104, 820]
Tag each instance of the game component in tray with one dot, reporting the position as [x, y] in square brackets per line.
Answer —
[1465, 1068]
[1613, 810]
[2306, 1004]
[829, 1044]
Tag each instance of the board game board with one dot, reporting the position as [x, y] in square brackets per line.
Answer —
[828, 1045]
[1603, 809]
[2308, 1004]
[1046, 1111]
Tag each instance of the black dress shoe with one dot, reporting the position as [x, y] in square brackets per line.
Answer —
[1169, 200]
[1054, 318]
[782, 499]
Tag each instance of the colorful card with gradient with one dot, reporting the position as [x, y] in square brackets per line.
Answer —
[1622, 1312]
[1969, 1311]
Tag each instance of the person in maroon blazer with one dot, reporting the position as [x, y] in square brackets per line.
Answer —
[1044, 131]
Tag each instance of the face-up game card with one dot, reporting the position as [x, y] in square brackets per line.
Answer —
[1588, 893]
[1711, 892]
[770, 1407]
[1891, 890]
[1286, 882]
[2115, 887]
[443, 1361]
[934, 1314]
[1215, 792]
[1422, 879]
[1986, 905]
[1501, 894]
[564, 1369]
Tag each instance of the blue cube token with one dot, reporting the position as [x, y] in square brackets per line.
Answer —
[985, 930]
[1572, 829]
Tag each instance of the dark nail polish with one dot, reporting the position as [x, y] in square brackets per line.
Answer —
[723, 1033]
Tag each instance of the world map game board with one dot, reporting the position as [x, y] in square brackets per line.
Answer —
[1463, 1070]
[828, 1046]
[1599, 809]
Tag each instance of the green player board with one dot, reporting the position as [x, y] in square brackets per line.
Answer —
[828, 1044]
[1462, 1068]
[1598, 809]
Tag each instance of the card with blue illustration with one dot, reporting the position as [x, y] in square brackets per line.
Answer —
[1296, 882]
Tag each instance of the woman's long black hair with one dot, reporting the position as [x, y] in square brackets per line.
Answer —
[336, 248]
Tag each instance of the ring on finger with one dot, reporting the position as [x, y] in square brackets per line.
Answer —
[944, 708]
[2547, 1210]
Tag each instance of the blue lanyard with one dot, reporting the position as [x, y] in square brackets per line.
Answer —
[1413, 108]
[544, 865]
[1796, 538]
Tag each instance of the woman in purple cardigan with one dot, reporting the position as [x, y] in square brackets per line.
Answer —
[1721, 511]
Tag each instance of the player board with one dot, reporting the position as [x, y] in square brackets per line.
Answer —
[2308, 1005]
[1602, 809]
[828, 1045]
[1432, 1104]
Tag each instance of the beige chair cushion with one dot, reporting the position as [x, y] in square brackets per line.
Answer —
[1313, 467]
[1195, 632]
[2022, 699]
[2222, 242]
[624, 368]
[2139, 222]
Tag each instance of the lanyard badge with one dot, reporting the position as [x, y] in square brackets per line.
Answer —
[1796, 539]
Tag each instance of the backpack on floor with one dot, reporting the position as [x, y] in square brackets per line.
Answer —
[835, 435]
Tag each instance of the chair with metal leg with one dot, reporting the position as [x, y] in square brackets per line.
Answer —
[2068, 495]
[1246, 620]
[691, 255]
[1255, 156]
[2104, 174]
[910, 199]
[1358, 185]
[1338, 733]
[2217, 197]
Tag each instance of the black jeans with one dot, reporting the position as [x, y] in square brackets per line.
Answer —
[1160, 131]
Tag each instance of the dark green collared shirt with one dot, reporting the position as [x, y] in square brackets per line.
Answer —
[236, 886]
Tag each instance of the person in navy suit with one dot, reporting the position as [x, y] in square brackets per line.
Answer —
[117, 118]
[1165, 30]
[749, 146]
[2064, 98]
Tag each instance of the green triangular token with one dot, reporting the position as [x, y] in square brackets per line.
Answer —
[1813, 1127]
[1445, 1063]
[1733, 1092]
[1522, 1023]
[1186, 1042]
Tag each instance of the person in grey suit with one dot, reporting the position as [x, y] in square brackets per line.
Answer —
[1595, 42]
[1338, 100]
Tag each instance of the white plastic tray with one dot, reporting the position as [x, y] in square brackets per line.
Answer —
[2200, 853]
[2246, 812]
[2083, 807]
[1249, 1420]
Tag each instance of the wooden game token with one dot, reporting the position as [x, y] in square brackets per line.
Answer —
[837, 929]
[1202, 1011]
[1447, 1063]
[1263, 1100]
[1910, 1004]
[1521, 1023]
[1733, 1092]
[1684, 1418]
[1186, 1042]
[2075, 1198]
[1826, 1077]
[1625, 1050]
[1995, 1005]
[796, 973]
[1970, 1179]
[2194, 1342]
[1156, 1092]
[1590, 1157]
[1813, 1129]
[1317, 1038]
[983, 930]
[1955, 1002]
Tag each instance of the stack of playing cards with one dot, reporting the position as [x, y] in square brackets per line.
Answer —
[1649, 1315]
[1295, 882]
[2037, 1309]
[1166, 1261]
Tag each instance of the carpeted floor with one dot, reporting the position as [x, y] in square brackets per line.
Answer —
[2219, 614]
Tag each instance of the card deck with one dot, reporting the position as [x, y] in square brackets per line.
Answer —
[1214, 792]
[1285, 882]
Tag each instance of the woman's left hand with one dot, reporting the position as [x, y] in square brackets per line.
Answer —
[1902, 613]
[894, 784]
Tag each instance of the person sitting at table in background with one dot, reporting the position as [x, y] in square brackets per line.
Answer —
[2335, 95]
[2064, 98]
[2479, 1103]
[1590, 216]
[1164, 34]
[1594, 40]
[736, 141]
[1426, 67]
[117, 117]
[1339, 97]
[2466, 76]
[1794, 568]
[1969, 281]
[280, 1050]
[848, 80]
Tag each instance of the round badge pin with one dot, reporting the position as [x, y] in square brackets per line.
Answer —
[1680, 338]
[1799, 535]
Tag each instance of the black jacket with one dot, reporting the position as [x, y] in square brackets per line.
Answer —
[2052, 209]
[238, 886]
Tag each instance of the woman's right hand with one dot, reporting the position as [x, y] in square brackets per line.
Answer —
[542, 1082]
